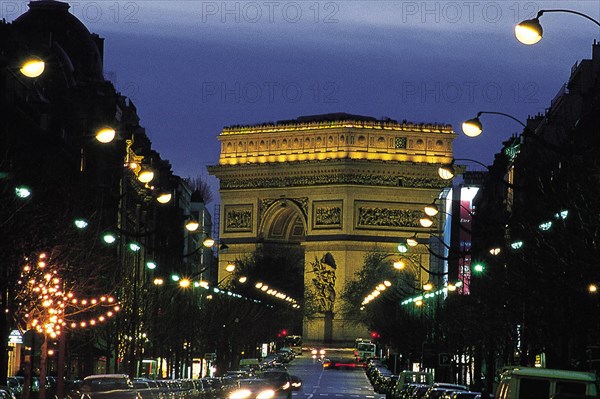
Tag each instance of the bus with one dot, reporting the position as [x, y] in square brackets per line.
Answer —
[294, 342]
[364, 349]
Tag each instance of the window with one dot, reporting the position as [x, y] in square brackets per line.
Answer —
[530, 388]
[400, 142]
[571, 387]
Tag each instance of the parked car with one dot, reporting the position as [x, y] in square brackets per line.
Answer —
[15, 386]
[462, 395]
[108, 386]
[418, 392]
[6, 393]
[526, 382]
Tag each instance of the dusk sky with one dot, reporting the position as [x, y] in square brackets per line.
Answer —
[193, 67]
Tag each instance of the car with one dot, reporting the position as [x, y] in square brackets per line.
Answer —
[238, 374]
[15, 386]
[519, 382]
[109, 386]
[462, 395]
[281, 380]
[317, 353]
[340, 363]
[296, 383]
[258, 388]
[6, 393]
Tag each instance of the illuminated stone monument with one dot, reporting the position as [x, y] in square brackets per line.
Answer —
[338, 185]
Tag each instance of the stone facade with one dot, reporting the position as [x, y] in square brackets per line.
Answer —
[339, 188]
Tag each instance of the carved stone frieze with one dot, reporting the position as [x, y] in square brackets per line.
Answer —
[327, 214]
[238, 218]
[326, 179]
[374, 216]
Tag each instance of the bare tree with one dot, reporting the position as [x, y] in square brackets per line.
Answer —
[200, 188]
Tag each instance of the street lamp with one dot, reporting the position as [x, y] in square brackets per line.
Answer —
[431, 209]
[473, 127]
[33, 67]
[105, 135]
[530, 31]
[164, 197]
[447, 171]
[192, 225]
[426, 221]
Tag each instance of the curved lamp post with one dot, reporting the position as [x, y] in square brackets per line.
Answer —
[530, 31]
[473, 127]
[447, 172]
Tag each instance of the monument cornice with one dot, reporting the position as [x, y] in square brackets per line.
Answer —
[315, 173]
[343, 124]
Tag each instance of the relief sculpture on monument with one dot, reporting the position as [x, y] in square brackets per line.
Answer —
[386, 217]
[323, 281]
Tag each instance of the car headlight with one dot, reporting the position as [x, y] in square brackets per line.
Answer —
[314, 351]
[240, 394]
[266, 394]
[286, 385]
[322, 352]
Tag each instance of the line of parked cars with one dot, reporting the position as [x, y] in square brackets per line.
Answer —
[413, 385]
[14, 386]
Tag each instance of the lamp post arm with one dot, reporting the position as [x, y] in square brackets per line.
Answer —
[541, 12]
[472, 160]
[426, 270]
[505, 114]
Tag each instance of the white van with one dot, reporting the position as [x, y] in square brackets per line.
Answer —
[539, 383]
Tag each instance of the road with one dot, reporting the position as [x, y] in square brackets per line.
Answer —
[322, 384]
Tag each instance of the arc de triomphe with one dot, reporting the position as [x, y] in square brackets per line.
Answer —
[337, 185]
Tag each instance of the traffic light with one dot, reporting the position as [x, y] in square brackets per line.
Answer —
[375, 335]
[282, 333]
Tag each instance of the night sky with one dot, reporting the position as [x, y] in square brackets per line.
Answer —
[192, 67]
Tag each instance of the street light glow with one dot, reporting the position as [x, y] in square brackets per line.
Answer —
[402, 248]
[431, 209]
[146, 176]
[33, 67]
[192, 225]
[426, 221]
[184, 283]
[446, 172]
[81, 223]
[529, 31]
[208, 242]
[472, 127]
[22, 192]
[230, 267]
[399, 265]
[106, 135]
[134, 246]
[109, 238]
[164, 197]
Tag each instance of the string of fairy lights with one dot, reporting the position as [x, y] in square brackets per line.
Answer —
[46, 307]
